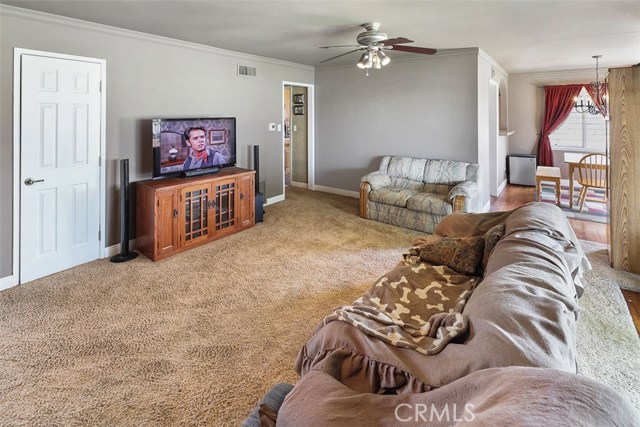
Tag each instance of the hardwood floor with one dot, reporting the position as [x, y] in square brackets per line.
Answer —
[633, 302]
[514, 196]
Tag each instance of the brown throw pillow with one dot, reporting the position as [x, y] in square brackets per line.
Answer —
[491, 239]
[462, 254]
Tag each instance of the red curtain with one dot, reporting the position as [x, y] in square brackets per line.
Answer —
[595, 98]
[558, 102]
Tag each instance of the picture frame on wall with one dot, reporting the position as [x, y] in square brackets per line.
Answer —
[217, 136]
[298, 98]
[298, 110]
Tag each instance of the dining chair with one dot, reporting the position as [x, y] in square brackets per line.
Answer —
[592, 173]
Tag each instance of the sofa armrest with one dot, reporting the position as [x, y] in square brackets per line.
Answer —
[376, 180]
[364, 191]
[371, 181]
[462, 194]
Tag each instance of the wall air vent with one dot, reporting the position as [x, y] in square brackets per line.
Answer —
[244, 70]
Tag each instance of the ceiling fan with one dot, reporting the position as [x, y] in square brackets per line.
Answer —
[374, 43]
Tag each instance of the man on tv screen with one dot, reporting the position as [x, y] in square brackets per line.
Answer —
[199, 154]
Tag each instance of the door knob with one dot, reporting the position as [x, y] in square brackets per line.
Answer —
[30, 181]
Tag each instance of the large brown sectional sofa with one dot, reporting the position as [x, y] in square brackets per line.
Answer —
[513, 364]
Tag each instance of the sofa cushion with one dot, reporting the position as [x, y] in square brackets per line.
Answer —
[463, 254]
[403, 217]
[392, 196]
[427, 202]
[441, 189]
[405, 183]
[444, 172]
[407, 167]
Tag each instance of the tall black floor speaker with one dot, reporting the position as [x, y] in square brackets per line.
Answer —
[125, 254]
[259, 197]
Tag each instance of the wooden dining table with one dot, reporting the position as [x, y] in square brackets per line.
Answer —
[572, 160]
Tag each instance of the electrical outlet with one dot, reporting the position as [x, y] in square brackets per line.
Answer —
[272, 126]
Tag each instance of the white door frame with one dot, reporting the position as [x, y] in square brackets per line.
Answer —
[494, 120]
[17, 84]
[311, 161]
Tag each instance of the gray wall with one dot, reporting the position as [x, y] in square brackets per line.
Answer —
[147, 77]
[526, 103]
[420, 108]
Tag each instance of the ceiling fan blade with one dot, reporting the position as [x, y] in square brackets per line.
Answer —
[414, 49]
[355, 50]
[397, 40]
[341, 45]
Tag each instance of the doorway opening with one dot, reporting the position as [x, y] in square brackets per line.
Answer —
[297, 135]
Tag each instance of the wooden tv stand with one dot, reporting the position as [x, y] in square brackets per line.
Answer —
[176, 214]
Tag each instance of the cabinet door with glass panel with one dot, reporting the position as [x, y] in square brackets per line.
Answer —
[197, 207]
[226, 205]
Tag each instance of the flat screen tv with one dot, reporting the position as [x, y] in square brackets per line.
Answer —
[193, 146]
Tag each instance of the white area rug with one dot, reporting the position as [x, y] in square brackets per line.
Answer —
[608, 344]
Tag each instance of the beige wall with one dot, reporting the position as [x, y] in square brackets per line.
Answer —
[147, 77]
[526, 103]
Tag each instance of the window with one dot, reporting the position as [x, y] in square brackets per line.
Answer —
[581, 131]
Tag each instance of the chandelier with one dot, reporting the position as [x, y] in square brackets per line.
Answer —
[373, 58]
[597, 91]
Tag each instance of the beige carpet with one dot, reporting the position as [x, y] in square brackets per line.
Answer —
[198, 338]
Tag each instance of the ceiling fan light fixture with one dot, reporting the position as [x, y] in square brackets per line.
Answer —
[384, 59]
[371, 43]
[376, 61]
[369, 61]
[363, 59]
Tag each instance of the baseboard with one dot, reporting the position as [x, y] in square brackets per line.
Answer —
[299, 184]
[8, 282]
[502, 186]
[115, 249]
[276, 199]
[338, 191]
[487, 206]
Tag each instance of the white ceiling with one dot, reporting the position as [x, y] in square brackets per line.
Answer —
[522, 36]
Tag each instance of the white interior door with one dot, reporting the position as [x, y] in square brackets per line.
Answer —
[59, 164]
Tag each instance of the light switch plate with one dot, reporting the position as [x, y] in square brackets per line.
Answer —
[279, 127]
[272, 126]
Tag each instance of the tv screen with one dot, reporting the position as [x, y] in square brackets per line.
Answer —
[181, 145]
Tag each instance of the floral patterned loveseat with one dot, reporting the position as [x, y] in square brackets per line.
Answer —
[418, 193]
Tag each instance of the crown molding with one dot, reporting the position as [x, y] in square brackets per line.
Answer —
[49, 18]
[556, 73]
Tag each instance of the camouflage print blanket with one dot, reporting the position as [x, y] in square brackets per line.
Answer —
[417, 306]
